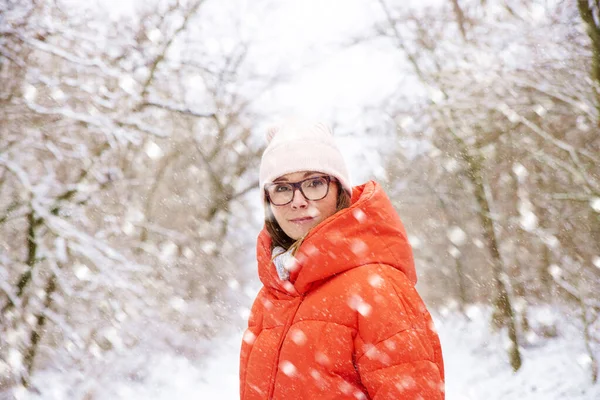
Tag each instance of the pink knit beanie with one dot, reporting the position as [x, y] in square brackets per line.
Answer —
[297, 145]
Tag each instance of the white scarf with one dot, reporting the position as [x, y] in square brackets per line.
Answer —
[283, 262]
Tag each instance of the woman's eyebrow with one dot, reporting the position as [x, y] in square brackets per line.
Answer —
[306, 174]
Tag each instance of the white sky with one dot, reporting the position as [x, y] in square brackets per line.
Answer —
[331, 79]
[311, 37]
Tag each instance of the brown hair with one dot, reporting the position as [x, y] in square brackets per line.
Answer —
[280, 238]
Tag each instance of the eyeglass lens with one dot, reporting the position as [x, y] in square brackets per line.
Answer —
[312, 189]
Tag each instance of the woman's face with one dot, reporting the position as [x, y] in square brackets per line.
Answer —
[301, 215]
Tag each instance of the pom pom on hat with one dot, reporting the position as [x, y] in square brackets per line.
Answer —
[299, 145]
[271, 132]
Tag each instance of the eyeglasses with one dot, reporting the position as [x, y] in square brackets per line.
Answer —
[282, 193]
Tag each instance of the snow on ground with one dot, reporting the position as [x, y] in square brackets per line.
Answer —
[476, 369]
[158, 376]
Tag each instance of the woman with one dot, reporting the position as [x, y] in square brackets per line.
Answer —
[338, 316]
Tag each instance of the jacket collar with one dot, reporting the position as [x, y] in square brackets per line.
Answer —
[367, 232]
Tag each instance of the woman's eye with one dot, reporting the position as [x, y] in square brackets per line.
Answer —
[316, 182]
[281, 188]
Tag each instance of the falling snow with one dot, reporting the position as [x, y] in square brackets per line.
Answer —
[129, 206]
[287, 368]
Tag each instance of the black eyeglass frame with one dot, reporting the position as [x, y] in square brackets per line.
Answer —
[298, 185]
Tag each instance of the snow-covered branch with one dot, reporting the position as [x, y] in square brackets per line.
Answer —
[19, 172]
[109, 125]
[512, 115]
[177, 108]
[94, 61]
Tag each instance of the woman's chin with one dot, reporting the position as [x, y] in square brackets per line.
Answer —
[297, 233]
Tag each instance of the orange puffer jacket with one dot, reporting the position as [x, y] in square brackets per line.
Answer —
[349, 323]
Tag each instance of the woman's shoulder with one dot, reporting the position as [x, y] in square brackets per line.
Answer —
[369, 281]
[373, 274]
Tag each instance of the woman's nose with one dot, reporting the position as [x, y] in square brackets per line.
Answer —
[299, 201]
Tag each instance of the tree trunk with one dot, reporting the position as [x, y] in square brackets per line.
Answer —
[36, 333]
[462, 288]
[515, 269]
[586, 10]
[503, 313]
[588, 338]
[30, 262]
[460, 18]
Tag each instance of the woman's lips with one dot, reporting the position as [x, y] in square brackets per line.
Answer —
[303, 220]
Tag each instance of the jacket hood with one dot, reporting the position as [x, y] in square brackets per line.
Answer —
[367, 232]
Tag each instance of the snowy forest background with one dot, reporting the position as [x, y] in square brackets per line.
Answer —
[130, 137]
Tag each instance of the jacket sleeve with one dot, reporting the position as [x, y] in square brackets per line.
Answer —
[248, 338]
[397, 351]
